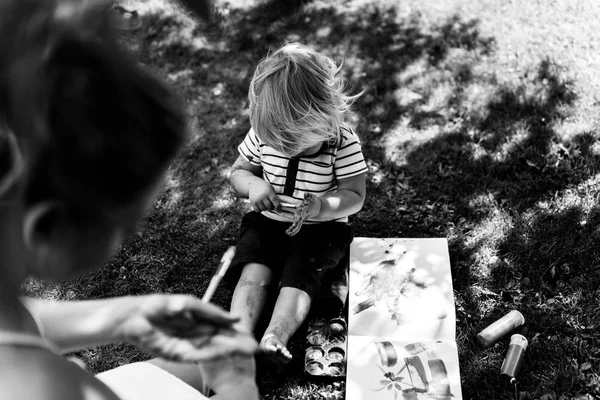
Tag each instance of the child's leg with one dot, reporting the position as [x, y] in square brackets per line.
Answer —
[290, 311]
[250, 295]
[316, 250]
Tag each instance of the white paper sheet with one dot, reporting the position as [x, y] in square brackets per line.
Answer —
[401, 324]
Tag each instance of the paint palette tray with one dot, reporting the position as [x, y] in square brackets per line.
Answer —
[325, 354]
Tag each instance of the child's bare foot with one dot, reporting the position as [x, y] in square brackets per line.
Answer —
[274, 349]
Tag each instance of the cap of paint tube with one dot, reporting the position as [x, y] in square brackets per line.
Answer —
[501, 327]
[514, 357]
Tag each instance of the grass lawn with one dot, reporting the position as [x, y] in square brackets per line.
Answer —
[479, 123]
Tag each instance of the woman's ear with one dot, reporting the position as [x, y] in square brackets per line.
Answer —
[38, 223]
[45, 236]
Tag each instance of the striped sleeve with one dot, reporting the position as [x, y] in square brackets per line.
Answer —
[349, 160]
[250, 148]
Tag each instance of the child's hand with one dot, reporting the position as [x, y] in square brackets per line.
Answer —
[313, 205]
[310, 207]
[262, 196]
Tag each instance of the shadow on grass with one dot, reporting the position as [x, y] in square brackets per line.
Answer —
[456, 148]
[556, 251]
[478, 178]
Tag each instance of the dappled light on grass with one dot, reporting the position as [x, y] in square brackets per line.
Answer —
[172, 199]
[402, 138]
[48, 291]
[486, 236]
[171, 194]
[483, 142]
[226, 198]
[513, 143]
[222, 203]
[143, 7]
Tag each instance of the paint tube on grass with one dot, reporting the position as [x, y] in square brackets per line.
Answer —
[514, 358]
[501, 327]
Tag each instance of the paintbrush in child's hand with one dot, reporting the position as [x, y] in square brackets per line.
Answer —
[219, 273]
[289, 205]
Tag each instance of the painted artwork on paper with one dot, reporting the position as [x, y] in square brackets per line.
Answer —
[401, 288]
[392, 370]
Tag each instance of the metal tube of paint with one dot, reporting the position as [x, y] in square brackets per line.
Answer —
[499, 328]
[514, 357]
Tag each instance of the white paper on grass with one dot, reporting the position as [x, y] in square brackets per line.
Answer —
[369, 379]
[401, 303]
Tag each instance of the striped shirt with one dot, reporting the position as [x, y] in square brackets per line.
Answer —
[317, 174]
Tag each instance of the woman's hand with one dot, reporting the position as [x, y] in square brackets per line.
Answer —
[183, 328]
[231, 377]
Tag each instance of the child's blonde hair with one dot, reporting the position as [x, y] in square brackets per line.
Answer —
[296, 101]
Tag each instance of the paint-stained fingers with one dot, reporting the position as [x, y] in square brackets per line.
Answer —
[267, 204]
[293, 229]
[275, 202]
[287, 212]
[259, 206]
[263, 205]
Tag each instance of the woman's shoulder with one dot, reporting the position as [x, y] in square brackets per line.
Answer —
[38, 374]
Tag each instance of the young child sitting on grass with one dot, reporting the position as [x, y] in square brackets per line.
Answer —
[298, 144]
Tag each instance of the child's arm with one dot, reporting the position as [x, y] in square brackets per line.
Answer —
[350, 170]
[348, 199]
[247, 182]
[243, 175]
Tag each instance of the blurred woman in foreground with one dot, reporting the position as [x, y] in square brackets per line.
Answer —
[85, 138]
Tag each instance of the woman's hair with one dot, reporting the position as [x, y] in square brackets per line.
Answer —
[94, 129]
[296, 101]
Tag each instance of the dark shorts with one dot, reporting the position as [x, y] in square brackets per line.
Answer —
[301, 261]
